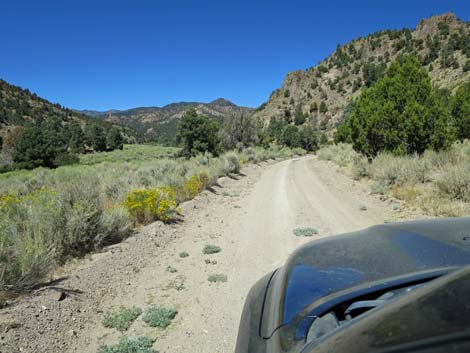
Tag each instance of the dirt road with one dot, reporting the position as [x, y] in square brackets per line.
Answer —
[251, 219]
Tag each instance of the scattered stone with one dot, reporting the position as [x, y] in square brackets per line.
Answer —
[214, 262]
[207, 261]
[363, 208]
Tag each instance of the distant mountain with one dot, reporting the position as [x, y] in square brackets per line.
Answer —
[324, 92]
[159, 123]
[95, 113]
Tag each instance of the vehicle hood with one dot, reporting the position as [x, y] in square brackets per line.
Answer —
[325, 268]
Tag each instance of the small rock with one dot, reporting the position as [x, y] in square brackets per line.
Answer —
[72, 333]
[214, 262]
[207, 261]
[363, 208]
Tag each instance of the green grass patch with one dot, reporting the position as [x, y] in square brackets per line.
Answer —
[211, 249]
[184, 254]
[215, 278]
[122, 319]
[156, 316]
[305, 232]
[130, 153]
[130, 345]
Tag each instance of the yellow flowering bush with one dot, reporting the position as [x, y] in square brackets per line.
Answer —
[147, 205]
[244, 160]
[8, 203]
[193, 186]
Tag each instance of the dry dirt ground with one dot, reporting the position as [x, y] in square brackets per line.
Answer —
[251, 217]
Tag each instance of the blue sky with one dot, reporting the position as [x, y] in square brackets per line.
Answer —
[120, 54]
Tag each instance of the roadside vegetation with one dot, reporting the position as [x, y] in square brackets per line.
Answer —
[160, 317]
[410, 140]
[48, 216]
[436, 182]
[211, 249]
[216, 278]
[130, 153]
[130, 345]
[305, 232]
[122, 319]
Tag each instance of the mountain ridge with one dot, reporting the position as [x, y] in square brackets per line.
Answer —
[323, 92]
[158, 124]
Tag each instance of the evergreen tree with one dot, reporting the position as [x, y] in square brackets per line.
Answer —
[313, 107]
[460, 110]
[197, 134]
[95, 137]
[39, 145]
[291, 136]
[299, 117]
[308, 138]
[400, 113]
[323, 108]
[114, 139]
[76, 137]
[275, 129]
[323, 139]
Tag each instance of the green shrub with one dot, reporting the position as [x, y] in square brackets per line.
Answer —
[171, 269]
[211, 249]
[455, 182]
[305, 232]
[215, 278]
[184, 254]
[122, 319]
[233, 162]
[156, 316]
[342, 154]
[130, 345]
[400, 170]
[360, 167]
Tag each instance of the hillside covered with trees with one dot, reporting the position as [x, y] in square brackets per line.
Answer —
[35, 132]
[322, 95]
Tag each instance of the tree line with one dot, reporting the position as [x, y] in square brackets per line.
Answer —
[51, 143]
[198, 134]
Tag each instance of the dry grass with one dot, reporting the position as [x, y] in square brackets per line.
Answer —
[437, 182]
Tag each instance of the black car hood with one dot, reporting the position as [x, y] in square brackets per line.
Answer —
[328, 267]
[434, 318]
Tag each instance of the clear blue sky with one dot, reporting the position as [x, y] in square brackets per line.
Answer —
[102, 54]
